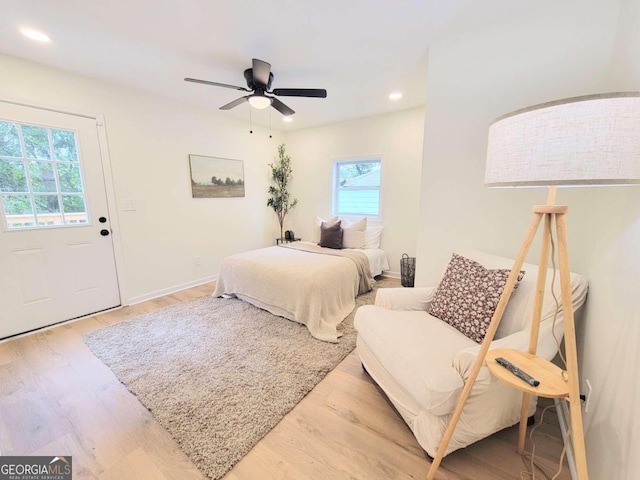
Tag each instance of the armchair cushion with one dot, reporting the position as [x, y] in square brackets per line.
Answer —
[416, 349]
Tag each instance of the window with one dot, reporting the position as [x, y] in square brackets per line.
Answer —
[356, 187]
[40, 177]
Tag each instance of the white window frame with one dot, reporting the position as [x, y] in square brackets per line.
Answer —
[335, 179]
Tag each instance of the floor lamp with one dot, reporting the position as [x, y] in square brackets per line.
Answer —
[581, 141]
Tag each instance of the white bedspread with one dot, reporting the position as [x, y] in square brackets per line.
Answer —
[313, 289]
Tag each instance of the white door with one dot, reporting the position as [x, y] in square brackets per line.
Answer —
[56, 250]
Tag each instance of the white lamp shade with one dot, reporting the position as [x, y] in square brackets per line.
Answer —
[590, 140]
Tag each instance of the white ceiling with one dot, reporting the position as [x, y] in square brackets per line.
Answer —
[358, 50]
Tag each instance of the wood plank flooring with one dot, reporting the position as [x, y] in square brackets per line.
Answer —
[56, 398]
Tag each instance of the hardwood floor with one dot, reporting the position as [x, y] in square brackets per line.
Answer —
[56, 398]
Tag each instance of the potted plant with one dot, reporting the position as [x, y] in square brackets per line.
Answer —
[279, 198]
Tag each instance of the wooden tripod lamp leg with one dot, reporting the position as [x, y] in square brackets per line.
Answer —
[491, 331]
[571, 351]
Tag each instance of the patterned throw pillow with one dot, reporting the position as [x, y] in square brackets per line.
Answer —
[468, 295]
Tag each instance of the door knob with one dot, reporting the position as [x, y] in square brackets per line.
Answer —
[104, 232]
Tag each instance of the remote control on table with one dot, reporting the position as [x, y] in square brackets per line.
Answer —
[517, 372]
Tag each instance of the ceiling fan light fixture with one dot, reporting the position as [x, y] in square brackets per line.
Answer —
[287, 118]
[259, 102]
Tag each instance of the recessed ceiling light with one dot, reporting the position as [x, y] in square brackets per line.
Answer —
[395, 96]
[288, 118]
[35, 35]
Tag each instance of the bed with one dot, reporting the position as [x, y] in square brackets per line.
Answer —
[302, 282]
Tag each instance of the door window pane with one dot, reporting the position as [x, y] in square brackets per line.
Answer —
[17, 205]
[18, 211]
[43, 179]
[64, 145]
[9, 140]
[36, 142]
[48, 210]
[12, 176]
[69, 175]
[75, 211]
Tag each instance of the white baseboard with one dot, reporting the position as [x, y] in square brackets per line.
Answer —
[167, 291]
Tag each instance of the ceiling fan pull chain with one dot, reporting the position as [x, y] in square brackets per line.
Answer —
[270, 125]
[250, 121]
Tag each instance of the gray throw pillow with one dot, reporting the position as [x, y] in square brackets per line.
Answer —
[331, 237]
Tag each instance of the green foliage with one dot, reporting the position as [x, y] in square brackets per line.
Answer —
[36, 142]
[69, 176]
[17, 205]
[43, 178]
[9, 140]
[279, 196]
[73, 204]
[64, 145]
[46, 203]
[12, 176]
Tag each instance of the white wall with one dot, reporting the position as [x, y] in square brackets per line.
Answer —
[397, 139]
[582, 48]
[149, 140]
[610, 356]
[473, 80]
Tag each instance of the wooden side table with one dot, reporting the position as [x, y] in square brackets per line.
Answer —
[553, 382]
[284, 240]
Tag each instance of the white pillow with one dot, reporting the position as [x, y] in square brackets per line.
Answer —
[353, 233]
[372, 237]
[329, 222]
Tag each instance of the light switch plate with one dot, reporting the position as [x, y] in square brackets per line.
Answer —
[129, 205]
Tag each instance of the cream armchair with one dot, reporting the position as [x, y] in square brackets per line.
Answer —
[421, 362]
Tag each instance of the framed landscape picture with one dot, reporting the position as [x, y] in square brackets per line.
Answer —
[213, 177]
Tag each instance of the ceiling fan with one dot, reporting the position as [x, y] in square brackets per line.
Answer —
[259, 79]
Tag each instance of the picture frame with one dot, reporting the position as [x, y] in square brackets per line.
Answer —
[215, 177]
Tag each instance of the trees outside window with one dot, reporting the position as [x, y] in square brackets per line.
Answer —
[356, 187]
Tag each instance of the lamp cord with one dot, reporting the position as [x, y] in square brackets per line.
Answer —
[531, 465]
[557, 302]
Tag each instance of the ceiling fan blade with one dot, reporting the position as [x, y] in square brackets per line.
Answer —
[235, 103]
[281, 107]
[261, 71]
[216, 84]
[300, 92]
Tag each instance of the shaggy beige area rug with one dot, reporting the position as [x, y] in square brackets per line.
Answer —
[218, 374]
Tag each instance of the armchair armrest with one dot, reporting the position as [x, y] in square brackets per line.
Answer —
[405, 298]
[547, 348]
